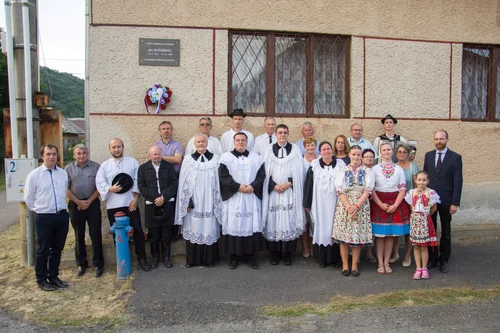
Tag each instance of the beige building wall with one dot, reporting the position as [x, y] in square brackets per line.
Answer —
[405, 60]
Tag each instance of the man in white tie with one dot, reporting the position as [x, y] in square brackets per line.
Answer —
[264, 140]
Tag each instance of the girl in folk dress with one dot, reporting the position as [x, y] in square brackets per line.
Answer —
[423, 202]
[352, 226]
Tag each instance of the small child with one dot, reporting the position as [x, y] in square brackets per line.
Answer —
[423, 202]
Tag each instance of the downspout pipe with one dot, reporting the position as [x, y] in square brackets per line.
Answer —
[12, 83]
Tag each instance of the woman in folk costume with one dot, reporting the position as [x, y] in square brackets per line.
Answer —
[352, 226]
[320, 200]
[199, 204]
[241, 176]
[282, 207]
[390, 215]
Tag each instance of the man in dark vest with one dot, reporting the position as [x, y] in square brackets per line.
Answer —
[390, 136]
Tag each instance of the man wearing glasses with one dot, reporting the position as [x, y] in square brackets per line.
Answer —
[214, 145]
[356, 138]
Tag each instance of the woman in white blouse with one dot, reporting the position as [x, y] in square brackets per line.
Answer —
[389, 214]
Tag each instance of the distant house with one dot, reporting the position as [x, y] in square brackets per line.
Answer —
[72, 133]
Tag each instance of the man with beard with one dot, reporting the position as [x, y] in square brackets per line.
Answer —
[445, 177]
[157, 182]
[122, 196]
[283, 215]
[241, 175]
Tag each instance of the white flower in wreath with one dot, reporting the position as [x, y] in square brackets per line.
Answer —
[159, 91]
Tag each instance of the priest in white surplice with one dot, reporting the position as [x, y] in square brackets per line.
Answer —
[241, 176]
[236, 126]
[199, 204]
[320, 200]
[282, 211]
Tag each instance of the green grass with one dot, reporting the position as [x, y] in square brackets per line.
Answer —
[403, 298]
[2, 181]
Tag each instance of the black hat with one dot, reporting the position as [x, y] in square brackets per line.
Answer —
[160, 212]
[238, 112]
[124, 180]
[389, 117]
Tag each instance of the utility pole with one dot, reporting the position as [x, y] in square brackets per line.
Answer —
[27, 145]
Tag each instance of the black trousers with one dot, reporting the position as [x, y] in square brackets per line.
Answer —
[444, 251]
[51, 231]
[160, 235]
[135, 222]
[79, 219]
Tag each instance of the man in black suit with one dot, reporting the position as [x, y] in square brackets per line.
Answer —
[445, 177]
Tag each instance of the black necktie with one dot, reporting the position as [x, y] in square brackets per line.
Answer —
[438, 164]
[270, 139]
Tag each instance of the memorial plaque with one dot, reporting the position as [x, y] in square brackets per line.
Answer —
[159, 52]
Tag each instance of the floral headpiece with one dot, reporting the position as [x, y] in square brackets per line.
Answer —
[157, 95]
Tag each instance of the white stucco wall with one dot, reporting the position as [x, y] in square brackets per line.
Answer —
[405, 59]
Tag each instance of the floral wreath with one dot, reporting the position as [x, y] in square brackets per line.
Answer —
[157, 95]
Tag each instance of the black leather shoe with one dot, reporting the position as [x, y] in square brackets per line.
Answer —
[287, 261]
[233, 263]
[99, 271]
[432, 264]
[81, 270]
[58, 283]
[188, 266]
[155, 262]
[253, 264]
[322, 265]
[355, 273]
[143, 263]
[445, 268]
[46, 286]
[346, 272]
[167, 263]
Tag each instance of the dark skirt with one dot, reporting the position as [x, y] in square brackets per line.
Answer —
[282, 246]
[240, 246]
[201, 254]
[327, 255]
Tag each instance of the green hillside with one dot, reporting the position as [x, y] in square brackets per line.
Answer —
[66, 91]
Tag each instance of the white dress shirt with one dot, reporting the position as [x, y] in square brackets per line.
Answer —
[443, 152]
[262, 141]
[45, 190]
[227, 140]
[104, 178]
[214, 146]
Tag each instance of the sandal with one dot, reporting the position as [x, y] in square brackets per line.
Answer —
[381, 269]
[388, 270]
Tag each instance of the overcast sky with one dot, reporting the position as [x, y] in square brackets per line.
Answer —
[62, 34]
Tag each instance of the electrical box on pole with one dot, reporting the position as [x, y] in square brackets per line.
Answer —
[16, 170]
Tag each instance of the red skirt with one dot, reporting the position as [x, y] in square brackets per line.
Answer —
[394, 224]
